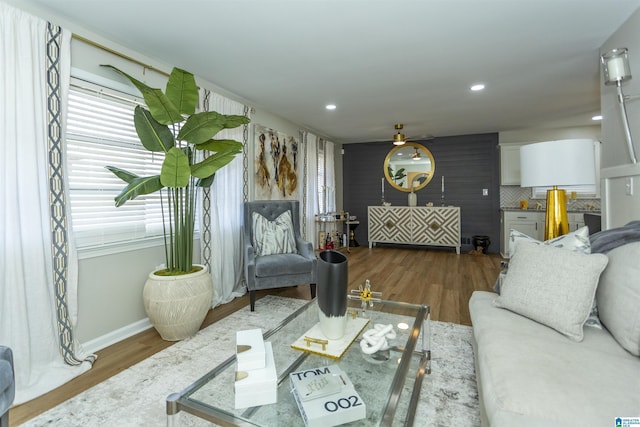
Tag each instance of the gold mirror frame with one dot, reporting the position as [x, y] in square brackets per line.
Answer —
[419, 176]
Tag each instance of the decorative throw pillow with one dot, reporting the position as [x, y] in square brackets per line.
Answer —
[552, 286]
[576, 241]
[618, 296]
[273, 237]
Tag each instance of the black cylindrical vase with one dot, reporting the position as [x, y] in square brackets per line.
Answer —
[332, 278]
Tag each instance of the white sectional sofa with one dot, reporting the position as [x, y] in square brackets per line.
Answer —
[536, 364]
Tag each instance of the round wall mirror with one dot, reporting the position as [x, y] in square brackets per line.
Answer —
[409, 167]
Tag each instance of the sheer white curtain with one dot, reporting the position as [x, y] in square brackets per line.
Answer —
[330, 175]
[38, 305]
[311, 208]
[226, 196]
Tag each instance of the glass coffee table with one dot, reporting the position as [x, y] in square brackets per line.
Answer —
[388, 381]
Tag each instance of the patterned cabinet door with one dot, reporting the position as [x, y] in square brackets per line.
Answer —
[437, 226]
[389, 224]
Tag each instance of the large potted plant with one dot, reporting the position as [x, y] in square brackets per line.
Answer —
[178, 297]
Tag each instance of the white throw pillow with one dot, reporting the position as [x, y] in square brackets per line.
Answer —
[273, 237]
[618, 296]
[576, 241]
[552, 286]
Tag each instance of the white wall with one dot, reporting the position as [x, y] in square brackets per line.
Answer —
[620, 205]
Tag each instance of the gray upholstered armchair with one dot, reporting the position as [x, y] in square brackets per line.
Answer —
[7, 384]
[278, 270]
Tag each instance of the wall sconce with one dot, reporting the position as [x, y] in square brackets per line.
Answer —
[615, 66]
[553, 163]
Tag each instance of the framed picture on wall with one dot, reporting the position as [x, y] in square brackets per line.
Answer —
[277, 165]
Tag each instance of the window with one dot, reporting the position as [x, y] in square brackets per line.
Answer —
[322, 189]
[326, 177]
[100, 132]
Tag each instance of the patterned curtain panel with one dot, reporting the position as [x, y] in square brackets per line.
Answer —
[38, 263]
[63, 254]
[221, 225]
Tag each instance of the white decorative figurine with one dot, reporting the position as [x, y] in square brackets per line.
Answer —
[375, 339]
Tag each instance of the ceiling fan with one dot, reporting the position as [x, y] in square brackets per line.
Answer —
[416, 156]
[399, 138]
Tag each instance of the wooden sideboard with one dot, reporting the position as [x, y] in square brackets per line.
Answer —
[430, 226]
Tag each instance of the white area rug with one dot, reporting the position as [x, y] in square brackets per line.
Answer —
[137, 396]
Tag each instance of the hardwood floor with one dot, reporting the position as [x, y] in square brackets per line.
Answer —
[439, 278]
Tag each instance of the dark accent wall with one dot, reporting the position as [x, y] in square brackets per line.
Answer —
[469, 163]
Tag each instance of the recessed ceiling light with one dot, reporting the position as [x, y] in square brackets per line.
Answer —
[330, 106]
[476, 87]
[598, 117]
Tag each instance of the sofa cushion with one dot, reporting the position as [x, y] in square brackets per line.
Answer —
[273, 237]
[618, 296]
[282, 265]
[529, 375]
[552, 286]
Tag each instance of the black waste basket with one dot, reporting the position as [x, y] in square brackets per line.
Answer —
[480, 241]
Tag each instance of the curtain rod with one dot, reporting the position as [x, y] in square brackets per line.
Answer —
[118, 54]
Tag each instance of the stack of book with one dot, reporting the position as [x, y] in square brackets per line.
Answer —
[326, 397]
[256, 379]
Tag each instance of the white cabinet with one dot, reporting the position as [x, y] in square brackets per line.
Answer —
[510, 164]
[433, 226]
[530, 223]
[576, 220]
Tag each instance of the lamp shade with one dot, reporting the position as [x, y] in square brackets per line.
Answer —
[615, 66]
[563, 162]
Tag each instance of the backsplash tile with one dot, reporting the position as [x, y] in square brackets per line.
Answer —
[510, 196]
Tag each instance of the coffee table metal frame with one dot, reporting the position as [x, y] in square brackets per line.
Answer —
[182, 401]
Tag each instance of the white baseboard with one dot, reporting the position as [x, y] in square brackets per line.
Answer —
[116, 336]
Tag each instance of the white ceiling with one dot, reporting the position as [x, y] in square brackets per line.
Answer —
[380, 61]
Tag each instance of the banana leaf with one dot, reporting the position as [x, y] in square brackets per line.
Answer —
[138, 187]
[219, 145]
[162, 109]
[122, 174]
[200, 127]
[175, 172]
[153, 135]
[182, 91]
[211, 164]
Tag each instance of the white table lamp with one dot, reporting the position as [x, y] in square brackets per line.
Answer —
[557, 163]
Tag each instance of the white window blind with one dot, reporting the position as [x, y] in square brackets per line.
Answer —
[100, 132]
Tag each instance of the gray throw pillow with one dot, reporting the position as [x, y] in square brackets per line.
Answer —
[552, 286]
[618, 296]
[576, 241]
[273, 237]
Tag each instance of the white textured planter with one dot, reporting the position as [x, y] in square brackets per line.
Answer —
[177, 305]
